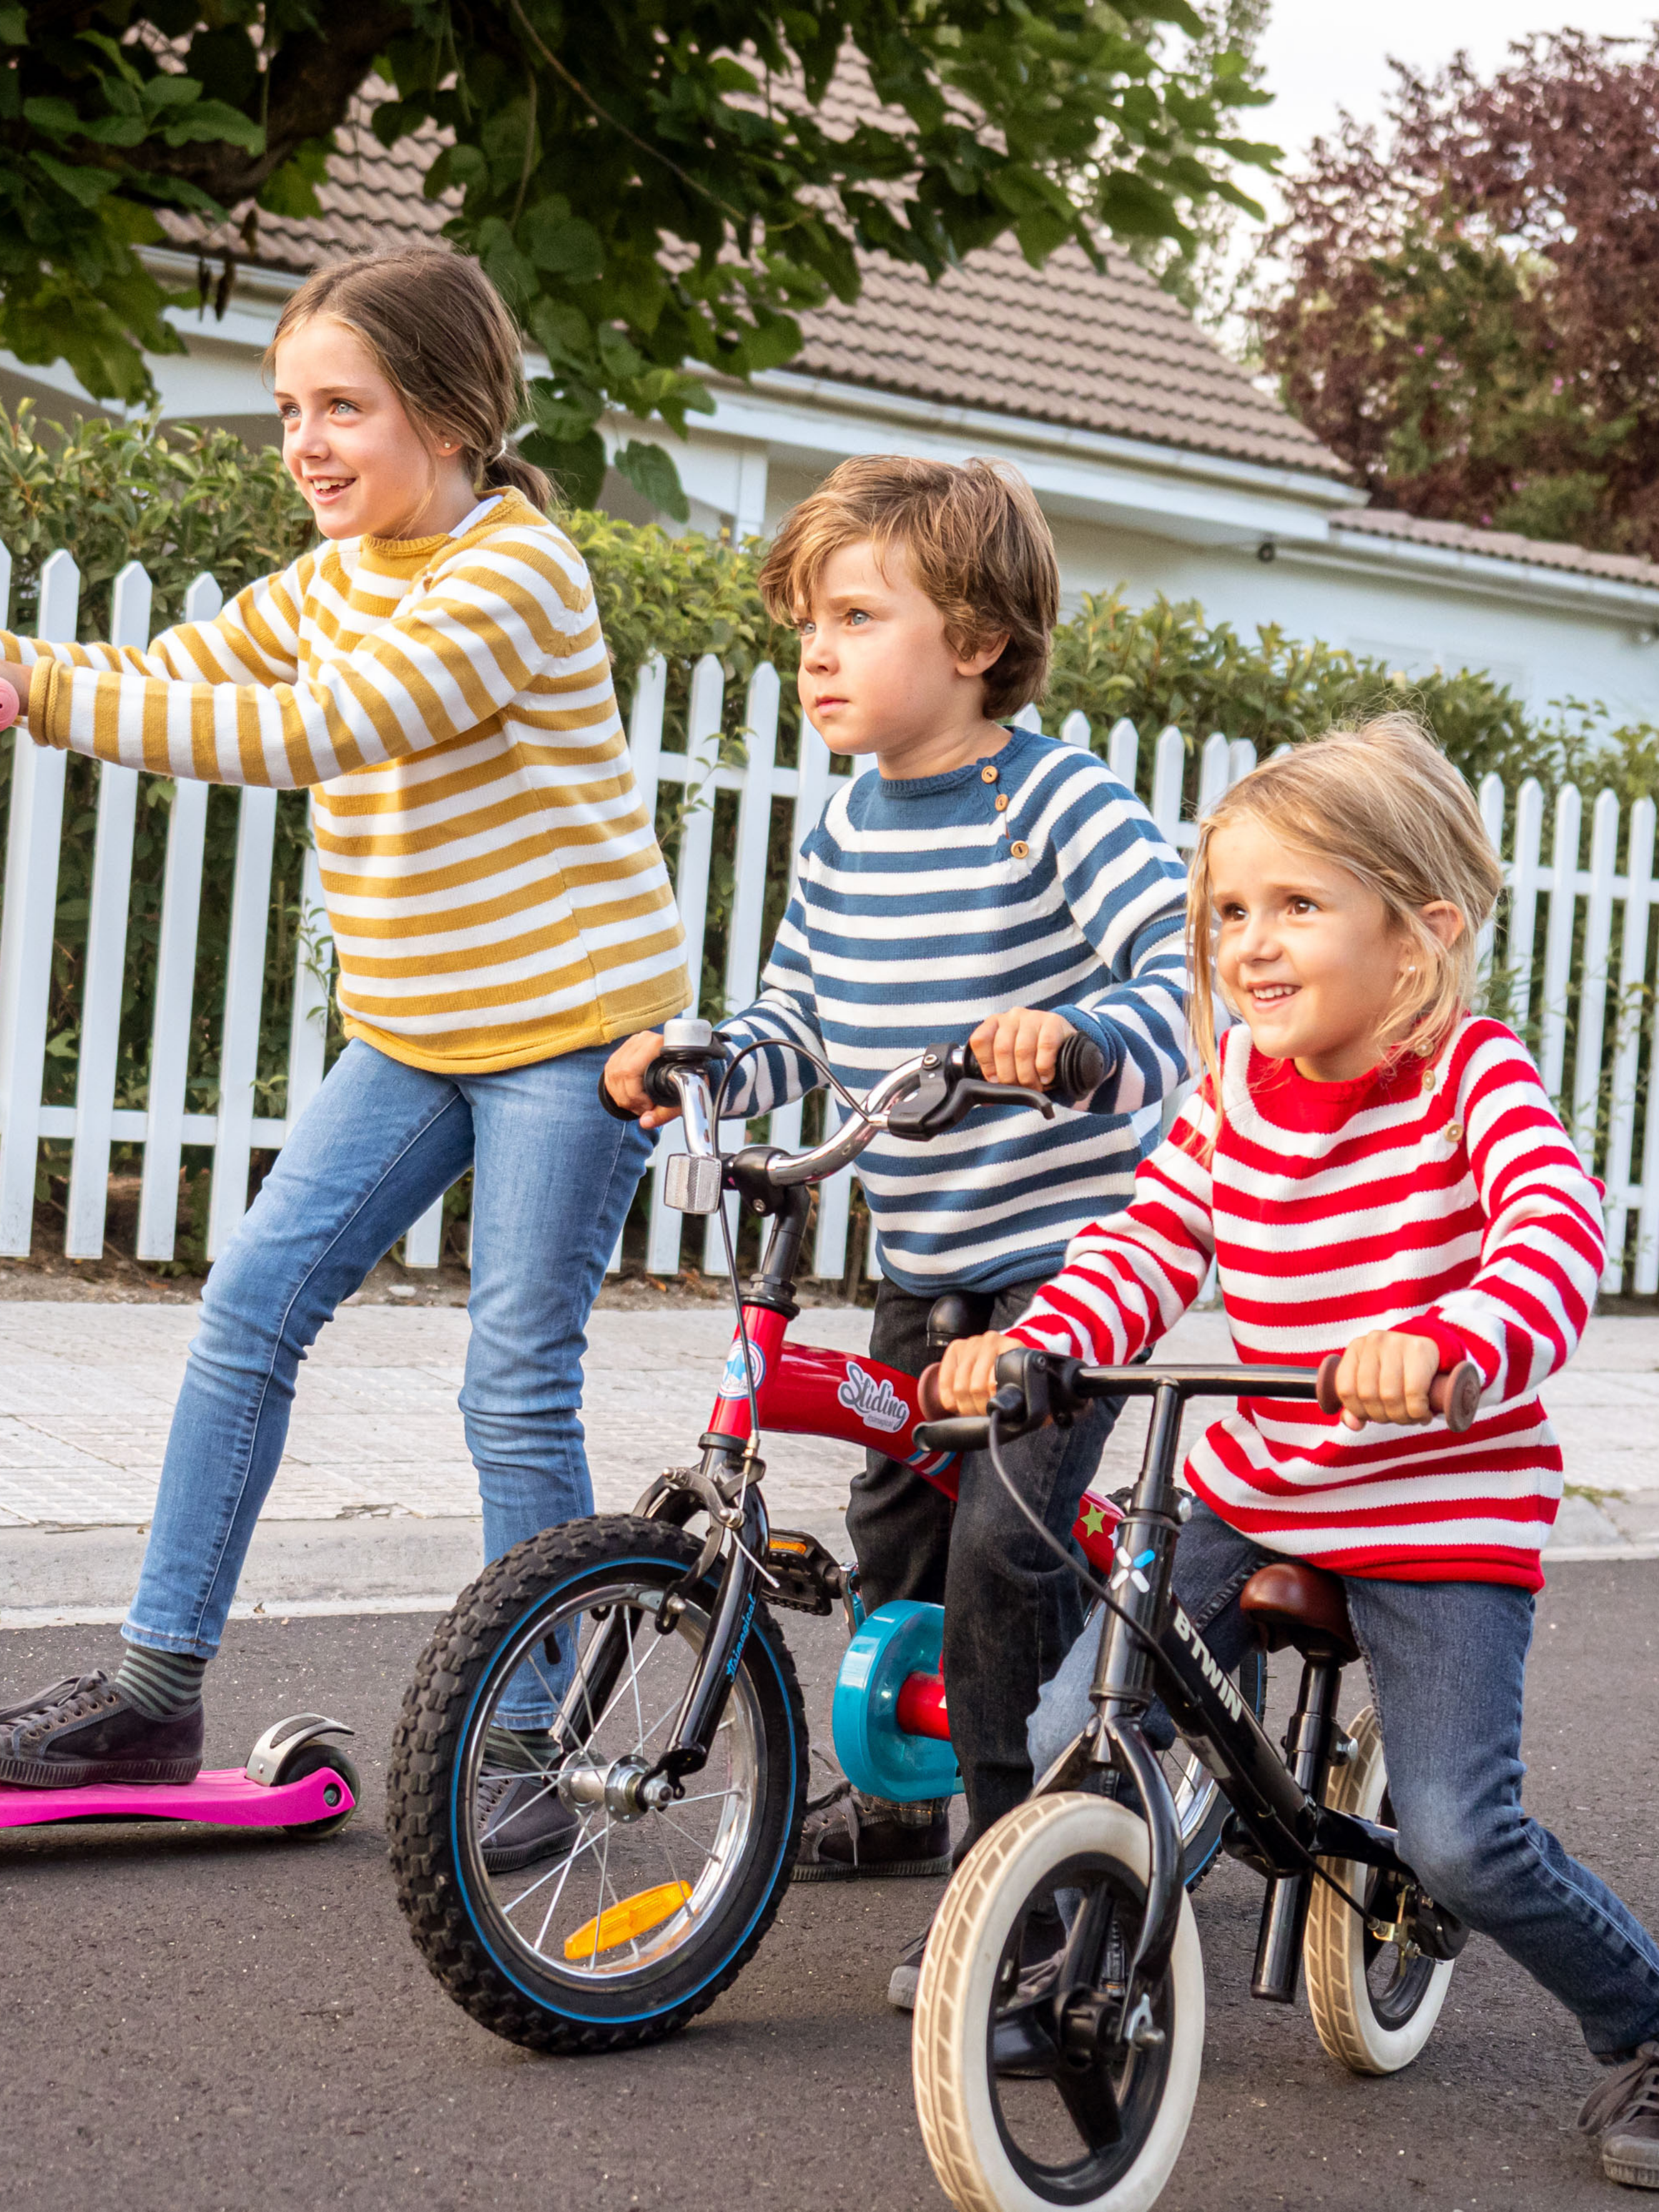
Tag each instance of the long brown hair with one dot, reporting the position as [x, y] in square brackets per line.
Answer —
[1384, 801]
[438, 333]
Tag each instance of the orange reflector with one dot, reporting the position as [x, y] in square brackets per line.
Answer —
[620, 1923]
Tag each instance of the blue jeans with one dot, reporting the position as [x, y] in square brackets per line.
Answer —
[1445, 1662]
[553, 1174]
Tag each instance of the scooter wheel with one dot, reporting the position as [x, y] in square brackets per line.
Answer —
[310, 1759]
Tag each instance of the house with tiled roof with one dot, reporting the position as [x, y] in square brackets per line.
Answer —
[1161, 464]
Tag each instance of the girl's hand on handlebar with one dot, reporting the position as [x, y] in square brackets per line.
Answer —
[1385, 1376]
[624, 1074]
[968, 1372]
[1021, 1046]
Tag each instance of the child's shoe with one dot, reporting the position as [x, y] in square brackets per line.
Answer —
[849, 1838]
[522, 1820]
[84, 1730]
[1623, 2112]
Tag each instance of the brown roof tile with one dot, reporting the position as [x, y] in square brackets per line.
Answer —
[1496, 544]
[1063, 344]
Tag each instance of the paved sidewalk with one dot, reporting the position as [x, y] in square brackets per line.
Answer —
[376, 1501]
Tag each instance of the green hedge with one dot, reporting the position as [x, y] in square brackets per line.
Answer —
[186, 500]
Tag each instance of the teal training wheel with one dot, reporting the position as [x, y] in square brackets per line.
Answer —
[876, 1756]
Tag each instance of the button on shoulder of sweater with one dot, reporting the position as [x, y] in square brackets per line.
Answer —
[1454, 1132]
[988, 774]
[1020, 849]
[1001, 801]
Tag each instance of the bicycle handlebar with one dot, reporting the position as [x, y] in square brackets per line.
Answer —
[1065, 1384]
[924, 1095]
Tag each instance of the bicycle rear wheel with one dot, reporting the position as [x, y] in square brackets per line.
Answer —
[1374, 2003]
[647, 1912]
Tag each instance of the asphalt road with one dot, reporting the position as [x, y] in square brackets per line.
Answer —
[193, 2020]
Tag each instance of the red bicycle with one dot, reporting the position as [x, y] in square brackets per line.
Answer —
[678, 1743]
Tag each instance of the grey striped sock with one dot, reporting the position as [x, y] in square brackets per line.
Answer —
[520, 1751]
[160, 1683]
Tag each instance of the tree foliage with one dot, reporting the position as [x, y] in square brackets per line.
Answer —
[1471, 318]
[657, 186]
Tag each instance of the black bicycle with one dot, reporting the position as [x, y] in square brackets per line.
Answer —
[1072, 2083]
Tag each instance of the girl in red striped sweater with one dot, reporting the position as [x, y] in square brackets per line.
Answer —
[1374, 1170]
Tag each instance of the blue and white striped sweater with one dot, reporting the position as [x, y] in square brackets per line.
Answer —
[920, 907]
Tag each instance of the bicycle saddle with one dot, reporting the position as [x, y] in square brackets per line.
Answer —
[1292, 1603]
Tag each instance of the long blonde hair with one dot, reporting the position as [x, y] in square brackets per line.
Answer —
[1385, 802]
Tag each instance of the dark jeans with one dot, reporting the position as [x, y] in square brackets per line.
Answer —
[1012, 1610]
[1445, 1662]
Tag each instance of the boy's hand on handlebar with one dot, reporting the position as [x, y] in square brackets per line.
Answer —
[1021, 1046]
[968, 1372]
[623, 1074]
[1385, 1376]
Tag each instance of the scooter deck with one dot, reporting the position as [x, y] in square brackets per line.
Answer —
[223, 1796]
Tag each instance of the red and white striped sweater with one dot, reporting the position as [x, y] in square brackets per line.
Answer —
[1444, 1198]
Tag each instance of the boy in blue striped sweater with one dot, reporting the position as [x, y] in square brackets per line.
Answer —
[985, 883]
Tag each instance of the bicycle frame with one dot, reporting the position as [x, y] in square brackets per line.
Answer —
[1151, 1649]
[800, 1389]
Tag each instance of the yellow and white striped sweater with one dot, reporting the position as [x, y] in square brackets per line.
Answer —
[497, 893]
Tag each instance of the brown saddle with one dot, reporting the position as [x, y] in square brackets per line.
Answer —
[1302, 1606]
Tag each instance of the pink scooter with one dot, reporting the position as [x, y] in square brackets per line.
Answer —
[292, 1780]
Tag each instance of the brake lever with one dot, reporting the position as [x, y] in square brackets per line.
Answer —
[940, 1101]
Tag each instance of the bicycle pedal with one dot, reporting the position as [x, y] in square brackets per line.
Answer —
[809, 1577]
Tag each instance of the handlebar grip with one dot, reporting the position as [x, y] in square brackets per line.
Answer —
[1079, 1068]
[616, 1113]
[1454, 1394]
[657, 1084]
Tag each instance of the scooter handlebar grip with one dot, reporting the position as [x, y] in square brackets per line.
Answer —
[1454, 1395]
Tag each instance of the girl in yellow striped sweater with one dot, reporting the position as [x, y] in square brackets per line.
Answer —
[435, 671]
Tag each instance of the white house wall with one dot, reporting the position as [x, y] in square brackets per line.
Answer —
[1348, 597]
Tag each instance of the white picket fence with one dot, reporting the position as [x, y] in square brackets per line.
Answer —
[1546, 898]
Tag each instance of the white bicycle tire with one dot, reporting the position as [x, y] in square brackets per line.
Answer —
[1334, 1948]
[954, 2100]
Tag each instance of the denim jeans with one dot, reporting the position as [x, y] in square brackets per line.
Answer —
[1445, 1662]
[1012, 1610]
[553, 1174]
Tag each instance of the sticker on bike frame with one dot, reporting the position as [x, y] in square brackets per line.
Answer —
[1214, 1673]
[876, 1404]
[732, 1384]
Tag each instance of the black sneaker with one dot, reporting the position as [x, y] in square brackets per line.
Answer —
[522, 1819]
[842, 1839]
[1623, 2114]
[83, 1730]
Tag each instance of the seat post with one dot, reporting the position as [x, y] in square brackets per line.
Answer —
[1285, 1908]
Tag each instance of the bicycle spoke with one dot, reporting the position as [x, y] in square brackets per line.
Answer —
[605, 1861]
[583, 1843]
[633, 1677]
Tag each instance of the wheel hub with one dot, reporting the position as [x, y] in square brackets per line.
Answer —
[627, 1788]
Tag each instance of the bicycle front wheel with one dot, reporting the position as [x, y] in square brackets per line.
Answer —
[629, 1920]
[1016, 2114]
